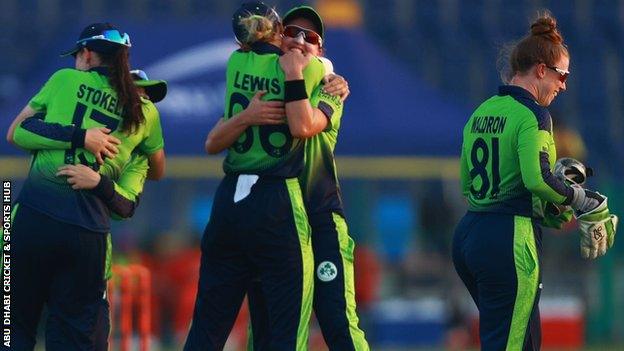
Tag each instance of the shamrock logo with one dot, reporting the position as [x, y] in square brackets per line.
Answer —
[326, 271]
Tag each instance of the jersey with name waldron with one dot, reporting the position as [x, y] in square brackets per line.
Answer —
[507, 155]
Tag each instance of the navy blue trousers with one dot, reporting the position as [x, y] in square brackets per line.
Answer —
[497, 258]
[62, 266]
[265, 235]
[334, 290]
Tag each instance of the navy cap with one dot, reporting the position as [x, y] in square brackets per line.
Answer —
[254, 8]
[100, 37]
[308, 13]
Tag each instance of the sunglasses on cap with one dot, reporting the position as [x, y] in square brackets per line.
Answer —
[138, 74]
[563, 74]
[111, 35]
[310, 36]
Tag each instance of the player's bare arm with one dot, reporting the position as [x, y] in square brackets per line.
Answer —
[259, 112]
[303, 120]
[26, 112]
[156, 165]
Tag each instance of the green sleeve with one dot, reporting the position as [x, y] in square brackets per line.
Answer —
[535, 148]
[153, 130]
[331, 106]
[549, 219]
[132, 179]
[130, 183]
[34, 133]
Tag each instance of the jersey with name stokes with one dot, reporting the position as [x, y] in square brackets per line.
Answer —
[84, 99]
[267, 149]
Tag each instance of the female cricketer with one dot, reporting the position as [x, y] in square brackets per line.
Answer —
[334, 291]
[258, 227]
[506, 160]
[59, 244]
[121, 196]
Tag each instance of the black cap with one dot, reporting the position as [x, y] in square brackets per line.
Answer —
[257, 8]
[89, 38]
[308, 13]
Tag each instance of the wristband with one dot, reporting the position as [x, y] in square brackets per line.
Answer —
[294, 90]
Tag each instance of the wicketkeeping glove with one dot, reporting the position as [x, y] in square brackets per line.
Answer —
[598, 229]
[572, 171]
[585, 200]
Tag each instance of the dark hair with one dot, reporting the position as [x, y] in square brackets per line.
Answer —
[543, 44]
[121, 80]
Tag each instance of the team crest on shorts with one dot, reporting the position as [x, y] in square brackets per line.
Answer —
[326, 271]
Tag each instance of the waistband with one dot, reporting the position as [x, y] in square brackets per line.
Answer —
[261, 178]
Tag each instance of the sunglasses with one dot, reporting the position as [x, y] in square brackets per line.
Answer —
[111, 35]
[138, 74]
[310, 36]
[563, 74]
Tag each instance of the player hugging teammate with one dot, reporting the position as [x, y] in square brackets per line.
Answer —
[277, 231]
[92, 139]
[262, 255]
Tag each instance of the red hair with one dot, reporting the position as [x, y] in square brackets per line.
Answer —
[543, 44]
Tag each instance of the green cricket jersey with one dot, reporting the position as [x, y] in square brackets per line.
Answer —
[268, 149]
[319, 182]
[128, 187]
[78, 100]
[507, 155]
[121, 196]
[130, 183]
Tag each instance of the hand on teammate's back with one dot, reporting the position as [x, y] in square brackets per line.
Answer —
[293, 62]
[336, 85]
[79, 176]
[101, 144]
[261, 112]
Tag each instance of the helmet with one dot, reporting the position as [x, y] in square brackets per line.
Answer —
[572, 171]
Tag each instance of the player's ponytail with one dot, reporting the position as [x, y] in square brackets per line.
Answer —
[543, 44]
[127, 94]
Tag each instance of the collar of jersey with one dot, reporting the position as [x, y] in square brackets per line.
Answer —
[515, 91]
[265, 48]
[102, 70]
